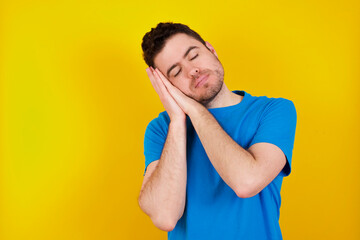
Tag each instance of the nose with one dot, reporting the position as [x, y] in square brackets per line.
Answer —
[194, 72]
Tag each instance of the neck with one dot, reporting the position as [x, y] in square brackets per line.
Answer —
[224, 98]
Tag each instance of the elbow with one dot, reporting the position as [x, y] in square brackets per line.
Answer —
[245, 193]
[164, 224]
[162, 221]
[246, 190]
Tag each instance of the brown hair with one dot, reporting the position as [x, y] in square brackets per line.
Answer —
[154, 41]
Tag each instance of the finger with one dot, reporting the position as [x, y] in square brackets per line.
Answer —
[164, 80]
[150, 74]
[162, 77]
[160, 82]
[171, 88]
[161, 89]
[153, 81]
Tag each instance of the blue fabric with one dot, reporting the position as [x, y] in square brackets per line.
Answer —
[213, 210]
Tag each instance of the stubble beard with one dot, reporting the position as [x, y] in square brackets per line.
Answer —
[211, 90]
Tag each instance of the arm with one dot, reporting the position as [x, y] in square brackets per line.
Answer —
[246, 172]
[162, 195]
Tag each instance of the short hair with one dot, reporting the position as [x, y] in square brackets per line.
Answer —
[154, 41]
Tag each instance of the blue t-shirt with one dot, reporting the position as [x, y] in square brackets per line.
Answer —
[213, 210]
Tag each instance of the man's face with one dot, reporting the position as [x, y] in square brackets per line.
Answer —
[191, 67]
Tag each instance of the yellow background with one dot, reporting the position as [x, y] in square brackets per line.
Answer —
[75, 102]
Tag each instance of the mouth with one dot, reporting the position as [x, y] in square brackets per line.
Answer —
[201, 80]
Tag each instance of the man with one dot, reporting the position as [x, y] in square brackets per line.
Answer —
[215, 159]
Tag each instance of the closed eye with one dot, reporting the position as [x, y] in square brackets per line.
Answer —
[177, 73]
[190, 60]
[195, 57]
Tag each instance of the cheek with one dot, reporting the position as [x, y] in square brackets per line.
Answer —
[181, 85]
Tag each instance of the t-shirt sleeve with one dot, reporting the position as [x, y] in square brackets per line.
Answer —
[154, 140]
[277, 126]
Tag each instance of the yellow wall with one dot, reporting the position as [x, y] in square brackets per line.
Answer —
[75, 101]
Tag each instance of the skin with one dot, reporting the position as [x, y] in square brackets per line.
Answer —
[247, 172]
[200, 61]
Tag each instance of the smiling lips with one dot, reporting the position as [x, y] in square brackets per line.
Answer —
[201, 80]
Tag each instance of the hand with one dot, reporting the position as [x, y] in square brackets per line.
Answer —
[187, 104]
[170, 105]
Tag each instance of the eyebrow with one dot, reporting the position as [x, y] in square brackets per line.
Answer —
[186, 53]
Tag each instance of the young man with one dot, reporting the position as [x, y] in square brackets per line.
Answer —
[215, 159]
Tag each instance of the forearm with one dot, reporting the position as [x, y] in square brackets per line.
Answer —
[236, 166]
[163, 196]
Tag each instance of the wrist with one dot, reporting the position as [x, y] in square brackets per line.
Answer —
[178, 122]
[196, 111]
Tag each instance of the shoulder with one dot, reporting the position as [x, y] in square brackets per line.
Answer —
[267, 100]
[281, 105]
[265, 103]
[159, 124]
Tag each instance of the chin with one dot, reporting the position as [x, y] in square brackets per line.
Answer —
[210, 93]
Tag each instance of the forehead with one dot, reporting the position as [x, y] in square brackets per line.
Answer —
[174, 49]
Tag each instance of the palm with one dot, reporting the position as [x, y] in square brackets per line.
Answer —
[170, 105]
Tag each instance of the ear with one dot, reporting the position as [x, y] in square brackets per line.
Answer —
[211, 48]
